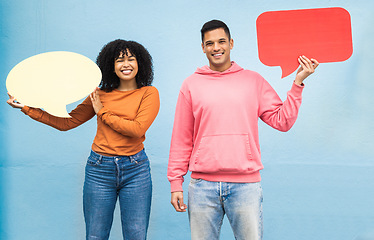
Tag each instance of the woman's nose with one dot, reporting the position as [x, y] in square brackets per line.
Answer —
[126, 63]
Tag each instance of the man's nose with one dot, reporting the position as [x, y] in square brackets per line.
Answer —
[216, 47]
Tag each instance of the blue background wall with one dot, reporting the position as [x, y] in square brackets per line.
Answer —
[318, 178]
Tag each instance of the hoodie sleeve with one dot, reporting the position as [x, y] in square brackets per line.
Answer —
[277, 114]
[181, 142]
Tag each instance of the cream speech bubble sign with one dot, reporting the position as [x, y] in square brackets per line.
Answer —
[52, 80]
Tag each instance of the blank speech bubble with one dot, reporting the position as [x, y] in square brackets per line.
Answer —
[52, 80]
[323, 34]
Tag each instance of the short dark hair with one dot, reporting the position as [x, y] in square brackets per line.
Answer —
[111, 51]
[212, 25]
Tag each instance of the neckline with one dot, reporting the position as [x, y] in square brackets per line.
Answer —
[126, 91]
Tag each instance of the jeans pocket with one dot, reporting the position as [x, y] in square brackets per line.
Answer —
[195, 181]
[93, 162]
[139, 162]
[139, 158]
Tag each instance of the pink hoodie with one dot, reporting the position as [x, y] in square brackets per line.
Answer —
[215, 133]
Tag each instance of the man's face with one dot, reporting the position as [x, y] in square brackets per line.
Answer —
[217, 48]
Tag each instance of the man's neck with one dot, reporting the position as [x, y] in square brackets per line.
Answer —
[220, 68]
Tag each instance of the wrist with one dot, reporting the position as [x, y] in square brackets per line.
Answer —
[298, 82]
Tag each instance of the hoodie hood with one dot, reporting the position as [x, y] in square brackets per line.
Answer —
[207, 71]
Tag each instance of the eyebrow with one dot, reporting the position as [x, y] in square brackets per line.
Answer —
[210, 41]
[129, 56]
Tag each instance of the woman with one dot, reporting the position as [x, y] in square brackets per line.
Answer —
[126, 105]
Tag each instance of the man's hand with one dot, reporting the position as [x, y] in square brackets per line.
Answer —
[307, 67]
[177, 201]
[95, 99]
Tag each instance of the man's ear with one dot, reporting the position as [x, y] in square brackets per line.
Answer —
[202, 46]
[231, 43]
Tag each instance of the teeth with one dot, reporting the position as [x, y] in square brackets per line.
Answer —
[218, 54]
[126, 71]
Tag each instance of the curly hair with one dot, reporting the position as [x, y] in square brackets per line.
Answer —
[111, 51]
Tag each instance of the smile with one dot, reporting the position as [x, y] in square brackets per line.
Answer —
[126, 72]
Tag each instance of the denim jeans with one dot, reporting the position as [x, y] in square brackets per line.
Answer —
[208, 202]
[108, 178]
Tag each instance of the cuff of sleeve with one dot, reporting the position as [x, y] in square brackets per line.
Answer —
[297, 88]
[25, 109]
[176, 186]
[301, 85]
[102, 112]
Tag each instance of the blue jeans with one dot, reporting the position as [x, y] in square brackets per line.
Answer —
[208, 202]
[126, 177]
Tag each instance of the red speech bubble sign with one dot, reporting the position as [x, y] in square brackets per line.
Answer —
[323, 34]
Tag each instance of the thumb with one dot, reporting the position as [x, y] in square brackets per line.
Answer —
[181, 204]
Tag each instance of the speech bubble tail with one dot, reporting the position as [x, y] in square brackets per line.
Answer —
[57, 110]
[287, 70]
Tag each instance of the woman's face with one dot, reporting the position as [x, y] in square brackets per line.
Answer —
[126, 66]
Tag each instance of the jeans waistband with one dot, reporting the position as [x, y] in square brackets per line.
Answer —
[138, 156]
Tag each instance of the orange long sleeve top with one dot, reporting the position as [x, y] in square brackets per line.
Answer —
[121, 123]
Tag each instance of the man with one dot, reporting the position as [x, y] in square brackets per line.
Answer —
[215, 136]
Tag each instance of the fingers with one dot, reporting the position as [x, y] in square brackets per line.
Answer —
[316, 63]
[305, 63]
[96, 91]
[308, 65]
[14, 104]
[94, 95]
[12, 101]
[9, 101]
[95, 99]
[177, 201]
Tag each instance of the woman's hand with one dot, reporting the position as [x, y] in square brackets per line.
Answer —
[95, 99]
[12, 101]
[307, 67]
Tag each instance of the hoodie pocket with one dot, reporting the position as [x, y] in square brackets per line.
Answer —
[229, 153]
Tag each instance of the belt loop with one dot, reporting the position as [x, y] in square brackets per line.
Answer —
[100, 158]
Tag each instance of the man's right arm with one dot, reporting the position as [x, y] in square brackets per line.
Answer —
[180, 150]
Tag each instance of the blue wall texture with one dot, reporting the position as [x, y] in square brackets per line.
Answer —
[318, 178]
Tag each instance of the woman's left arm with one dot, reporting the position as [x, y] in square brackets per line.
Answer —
[137, 127]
